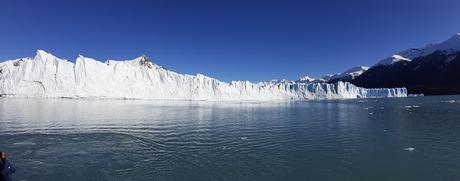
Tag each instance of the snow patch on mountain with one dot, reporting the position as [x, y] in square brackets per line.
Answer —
[306, 79]
[393, 59]
[50, 77]
[277, 81]
[449, 46]
[350, 73]
[310, 80]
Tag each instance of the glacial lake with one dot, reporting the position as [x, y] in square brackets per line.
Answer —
[414, 138]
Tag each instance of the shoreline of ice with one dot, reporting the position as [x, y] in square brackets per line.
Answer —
[46, 76]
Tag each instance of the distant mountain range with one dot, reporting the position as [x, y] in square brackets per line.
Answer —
[431, 70]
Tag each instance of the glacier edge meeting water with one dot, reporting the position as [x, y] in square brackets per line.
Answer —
[50, 77]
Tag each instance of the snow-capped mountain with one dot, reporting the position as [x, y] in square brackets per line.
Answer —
[433, 69]
[449, 46]
[348, 75]
[48, 76]
[306, 79]
[282, 81]
[393, 59]
[345, 76]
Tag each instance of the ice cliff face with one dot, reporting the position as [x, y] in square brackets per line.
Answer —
[48, 76]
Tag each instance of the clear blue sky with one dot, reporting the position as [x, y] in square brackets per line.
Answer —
[227, 39]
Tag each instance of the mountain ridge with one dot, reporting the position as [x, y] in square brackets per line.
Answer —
[430, 70]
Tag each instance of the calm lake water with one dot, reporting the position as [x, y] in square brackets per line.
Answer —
[363, 139]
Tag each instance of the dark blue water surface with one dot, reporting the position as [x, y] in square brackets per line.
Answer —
[363, 139]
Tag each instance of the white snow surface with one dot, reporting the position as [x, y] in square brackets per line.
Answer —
[352, 72]
[449, 46]
[393, 59]
[47, 76]
[310, 80]
[276, 81]
[306, 79]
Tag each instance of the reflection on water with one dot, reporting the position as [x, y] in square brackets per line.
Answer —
[65, 139]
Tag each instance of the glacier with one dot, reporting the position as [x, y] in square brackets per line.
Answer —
[47, 76]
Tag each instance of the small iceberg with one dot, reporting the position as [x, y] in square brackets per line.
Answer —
[415, 95]
[409, 107]
[411, 149]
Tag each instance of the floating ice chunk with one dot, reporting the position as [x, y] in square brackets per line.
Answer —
[409, 107]
[409, 149]
[25, 143]
[415, 95]
[449, 101]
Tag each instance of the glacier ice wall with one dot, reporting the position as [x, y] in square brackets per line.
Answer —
[48, 76]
